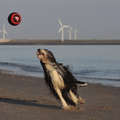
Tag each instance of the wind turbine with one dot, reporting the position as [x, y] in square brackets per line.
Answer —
[70, 32]
[62, 29]
[75, 31]
[4, 31]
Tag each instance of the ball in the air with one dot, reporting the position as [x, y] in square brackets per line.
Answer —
[14, 18]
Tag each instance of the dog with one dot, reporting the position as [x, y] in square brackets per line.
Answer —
[60, 80]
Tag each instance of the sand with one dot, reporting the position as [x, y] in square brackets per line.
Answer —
[4, 41]
[28, 98]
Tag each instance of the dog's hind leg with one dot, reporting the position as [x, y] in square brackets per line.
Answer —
[75, 97]
[65, 106]
[80, 100]
[67, 99]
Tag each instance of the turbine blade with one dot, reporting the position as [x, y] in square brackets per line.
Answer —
[66, 26]
[75, 30]
[1, 31]
[5, 32]
[60, 23]
[60, 29]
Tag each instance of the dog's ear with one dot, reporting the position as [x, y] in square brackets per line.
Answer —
[50, 56]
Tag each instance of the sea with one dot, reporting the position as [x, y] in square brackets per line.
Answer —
[97, 64]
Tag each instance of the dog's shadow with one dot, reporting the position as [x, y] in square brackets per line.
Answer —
[34, 103]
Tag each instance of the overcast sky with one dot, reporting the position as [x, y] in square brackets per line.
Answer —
[94, 19]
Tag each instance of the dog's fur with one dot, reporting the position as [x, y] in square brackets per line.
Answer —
[59, 79]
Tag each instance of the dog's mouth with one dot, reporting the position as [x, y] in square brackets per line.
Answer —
[39, 53]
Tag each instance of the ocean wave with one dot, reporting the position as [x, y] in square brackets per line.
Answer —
[103, 74]
[85, 72]
[27, 68]
[99, 75]
[96, 78]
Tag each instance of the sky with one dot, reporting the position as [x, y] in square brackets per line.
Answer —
[94, 19]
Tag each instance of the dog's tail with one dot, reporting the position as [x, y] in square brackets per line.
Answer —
[81, 84]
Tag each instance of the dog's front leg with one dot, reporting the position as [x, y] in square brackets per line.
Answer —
[65, 106]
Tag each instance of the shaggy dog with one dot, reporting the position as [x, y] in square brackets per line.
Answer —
[59, 79]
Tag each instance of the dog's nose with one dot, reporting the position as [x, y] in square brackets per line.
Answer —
[38, 50]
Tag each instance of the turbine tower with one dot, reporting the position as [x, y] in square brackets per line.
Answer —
[62, 29]
[75, 31]
[70, 32]
[4, 32]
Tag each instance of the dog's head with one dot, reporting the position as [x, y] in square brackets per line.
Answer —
[45, 56]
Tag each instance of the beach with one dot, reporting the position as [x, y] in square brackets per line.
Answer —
[28, 98]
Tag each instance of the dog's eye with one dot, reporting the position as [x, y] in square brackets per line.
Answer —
[42, 54]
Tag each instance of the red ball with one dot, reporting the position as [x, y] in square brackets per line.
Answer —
[14, 19]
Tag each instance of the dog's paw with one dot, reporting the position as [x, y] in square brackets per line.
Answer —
[66, 108]
[81, 101]
[72, 107]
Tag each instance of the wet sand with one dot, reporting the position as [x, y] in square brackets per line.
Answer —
[28, 98]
